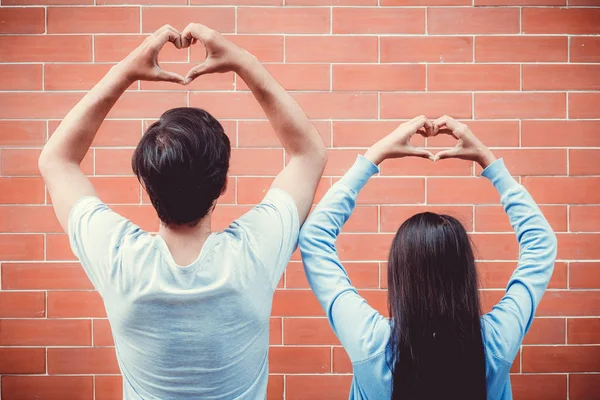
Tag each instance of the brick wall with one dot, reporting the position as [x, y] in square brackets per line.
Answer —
[526, 72]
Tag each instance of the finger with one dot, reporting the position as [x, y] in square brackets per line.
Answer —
[429, 129]
[417, 123]
[168, 34]
[171, 77]
[197, 31]
[447, 122]
[450, 153]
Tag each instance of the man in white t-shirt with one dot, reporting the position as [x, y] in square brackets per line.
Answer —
[189, 308]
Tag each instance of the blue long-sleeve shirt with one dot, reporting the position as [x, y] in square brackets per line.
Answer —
[365, 333]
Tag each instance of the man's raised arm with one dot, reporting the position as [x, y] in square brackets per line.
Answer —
[60, 159]
[296, 133]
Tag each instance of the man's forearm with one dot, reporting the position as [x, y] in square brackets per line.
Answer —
[296, 133]
[73, 137]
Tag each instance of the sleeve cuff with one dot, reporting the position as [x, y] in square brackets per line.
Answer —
[497, 173]
[359, 174]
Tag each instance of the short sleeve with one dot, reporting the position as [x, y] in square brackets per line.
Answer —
[95, 234]
[272, 228]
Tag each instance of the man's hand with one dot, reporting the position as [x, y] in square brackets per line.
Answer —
[468, 146]
[397, 144]
[222, 55]
[142, 63]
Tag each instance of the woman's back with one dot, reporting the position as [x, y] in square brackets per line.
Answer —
[367, 336]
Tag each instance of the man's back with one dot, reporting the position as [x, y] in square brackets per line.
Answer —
[198, 331]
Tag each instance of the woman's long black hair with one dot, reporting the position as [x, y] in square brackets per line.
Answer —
[436, 337]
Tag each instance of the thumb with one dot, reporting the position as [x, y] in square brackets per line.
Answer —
[423, 153]
[451, 153]
[196, 72]
[170, 77]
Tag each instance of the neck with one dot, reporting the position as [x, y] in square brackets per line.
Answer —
[186, 242]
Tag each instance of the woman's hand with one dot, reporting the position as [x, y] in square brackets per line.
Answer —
[142, 63]
[468, 146]
[397, 144]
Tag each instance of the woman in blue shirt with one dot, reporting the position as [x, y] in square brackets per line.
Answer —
[436, 344]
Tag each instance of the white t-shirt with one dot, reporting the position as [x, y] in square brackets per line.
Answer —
[200, 331]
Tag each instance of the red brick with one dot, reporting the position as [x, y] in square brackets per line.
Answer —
[520, 105]
[583, 386]
[472, 191]
[22, 133]
[521, 2]
[261, 133]
[267, 48]
[424, 167]
[304, 360]
[465, 77]
[22, 20]
[275, 387]
[569, 303]
[221, 19]
[21, 190]
[47, 2]
[73, 76]
[37, 105]
[584, 105]
[364, 247]
[393, 216]
[537, 386]
[282, 20]
[102, 333]
[30, 219]
[307, 331]
[561, 358]
[82, 361]
[21, 247]
[240, 2]
[146, 105]
[378, 77]
[584, 162]
[114, 48]
[495, 275]
[256, 162]
[341, 361]
[362, 274]
[275, 330]
[46, 48]
[45, 332]
[494, 219]
[492, 133]
[331, 49]
[378, 20]
[338, 105]
[339, 161]
[546, 331]
[585, 49]
[117, 189]
[305, 387]
[425, 2]
[30, 276]
[583, 330]
[563, 190]
[296, 303]
[113, 161]
[426, 49]
[297, 76]
[58, 248]
[392, 191]
[20, 76]
[585, 218]
[560, 133]
[93, 19]
[142, 215]
[365, 133]
[473, 20]
[22, 361]
[409, 105]
[561, 77]
[533, 161]
[24, 162]
[75, 304]
[108, 387]
[577, 21]
[494, 246]
[521, 48]
[578, 246]
[47, 387]
[227, 105]
[22, 305]
[584, 275]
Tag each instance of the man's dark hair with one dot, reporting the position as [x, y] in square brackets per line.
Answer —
[182, 161]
